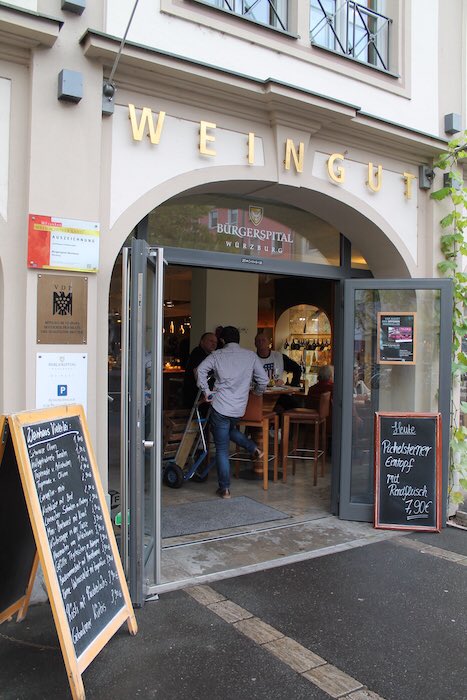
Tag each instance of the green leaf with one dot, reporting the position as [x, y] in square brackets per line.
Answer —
[441, 194]
[447, 220]
[457, 497]
[447, 265]
[464, 406]
[441, 162]
[463, 484]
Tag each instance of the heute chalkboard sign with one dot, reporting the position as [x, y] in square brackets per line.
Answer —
[73, 533]
[408, 471]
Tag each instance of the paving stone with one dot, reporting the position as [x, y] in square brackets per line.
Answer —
[333, 681]
[257, 630]
[204, 594]
[230, 612]
[294, 654]
[364, 694]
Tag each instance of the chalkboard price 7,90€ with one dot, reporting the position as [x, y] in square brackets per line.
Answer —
[408, 471]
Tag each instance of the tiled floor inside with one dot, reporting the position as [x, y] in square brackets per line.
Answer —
[309, 531]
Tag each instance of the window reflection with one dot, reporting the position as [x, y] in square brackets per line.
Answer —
[241, 227]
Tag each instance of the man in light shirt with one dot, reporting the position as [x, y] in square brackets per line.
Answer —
[234, 369]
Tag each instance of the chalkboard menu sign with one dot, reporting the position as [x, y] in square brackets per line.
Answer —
[408, 471]
[73, 533]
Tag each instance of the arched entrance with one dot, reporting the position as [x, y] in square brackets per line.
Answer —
[212, 234]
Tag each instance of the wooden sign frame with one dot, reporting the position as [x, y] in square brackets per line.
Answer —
[19, 606]
[396, 314]
[378, 523]
[74, 665]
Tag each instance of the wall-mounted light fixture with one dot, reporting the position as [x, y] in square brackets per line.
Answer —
[76, 6]
[109, 88]
[108, 92]
[70, 86]
[426, 175]
[452, 123]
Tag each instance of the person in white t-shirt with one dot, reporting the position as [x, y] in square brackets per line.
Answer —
[275, 364]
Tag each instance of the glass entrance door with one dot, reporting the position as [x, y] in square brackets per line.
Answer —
[396, 357]
[142, 295]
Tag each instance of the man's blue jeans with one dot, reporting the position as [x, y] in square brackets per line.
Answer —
[224, 429]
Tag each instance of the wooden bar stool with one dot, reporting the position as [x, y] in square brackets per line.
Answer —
[316, 419]
[255, 418]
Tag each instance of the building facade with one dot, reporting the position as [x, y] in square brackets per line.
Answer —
[328, 108]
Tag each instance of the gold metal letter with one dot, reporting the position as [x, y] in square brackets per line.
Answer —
[146, 116]
[251, 148]
[375, 187]
[337, 175]
[297, 157]
[408, 177]
[204, 138]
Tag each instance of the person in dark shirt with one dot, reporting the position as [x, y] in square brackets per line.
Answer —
[207, 344]
[324, 384]
[218, 332]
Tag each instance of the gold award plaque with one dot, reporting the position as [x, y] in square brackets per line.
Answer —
[62, 309]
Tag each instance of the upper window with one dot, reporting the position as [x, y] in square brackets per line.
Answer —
[233, 216]
[272, 13]
[351, 29]
[213, 218]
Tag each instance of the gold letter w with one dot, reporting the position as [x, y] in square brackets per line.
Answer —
[146, 116]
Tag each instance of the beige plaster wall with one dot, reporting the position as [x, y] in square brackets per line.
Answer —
[13, 223]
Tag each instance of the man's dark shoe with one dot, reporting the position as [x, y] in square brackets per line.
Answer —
[223, 493]
[257, 454]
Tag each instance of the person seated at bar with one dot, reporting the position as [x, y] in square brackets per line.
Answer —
[275, 364]
[207, 345]
[324, 384]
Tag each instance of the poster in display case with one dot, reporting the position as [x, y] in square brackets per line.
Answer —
[396, 338]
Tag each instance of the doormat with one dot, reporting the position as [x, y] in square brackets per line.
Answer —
[216, 514]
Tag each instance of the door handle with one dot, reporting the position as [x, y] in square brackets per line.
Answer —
[147, 444]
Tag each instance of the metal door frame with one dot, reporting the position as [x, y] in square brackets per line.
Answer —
[141, 536]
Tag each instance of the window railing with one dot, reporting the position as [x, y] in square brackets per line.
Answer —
[273, 13]
[352, 30]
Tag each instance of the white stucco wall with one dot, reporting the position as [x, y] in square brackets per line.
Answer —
[416, 106]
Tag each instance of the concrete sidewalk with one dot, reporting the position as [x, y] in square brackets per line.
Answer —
[387, 620]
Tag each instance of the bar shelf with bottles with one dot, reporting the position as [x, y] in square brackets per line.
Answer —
[310, 351]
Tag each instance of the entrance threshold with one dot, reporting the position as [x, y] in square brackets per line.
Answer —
[196, 563]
